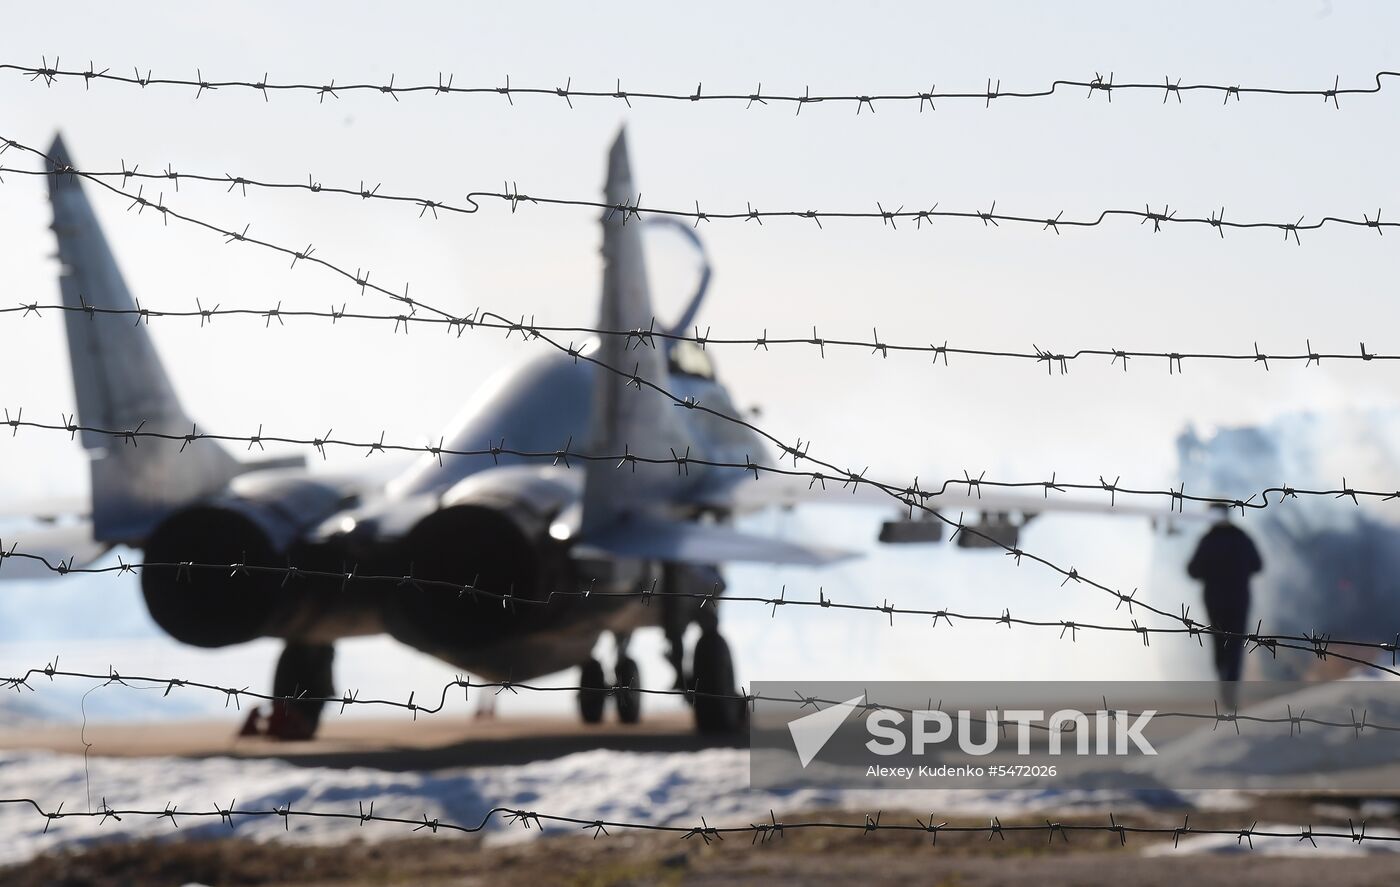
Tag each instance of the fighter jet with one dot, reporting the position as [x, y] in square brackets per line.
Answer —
[507, 525]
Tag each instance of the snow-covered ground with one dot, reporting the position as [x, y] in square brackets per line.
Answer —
[662, 788]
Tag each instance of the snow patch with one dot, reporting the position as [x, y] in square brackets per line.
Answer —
[1266, 845]
[652, 787]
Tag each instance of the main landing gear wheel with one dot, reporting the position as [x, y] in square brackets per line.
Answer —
[593, 692]
[303, 670]
[712, 677]
[628, 691]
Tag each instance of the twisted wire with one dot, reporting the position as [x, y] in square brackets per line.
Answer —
[49, 74]
[759, 832]
[989, 218]
[649, 335]
[1295, 720]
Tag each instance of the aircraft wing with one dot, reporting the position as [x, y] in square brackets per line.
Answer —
[46, 509]
[654, 538]
[778, 490]
[69, 543]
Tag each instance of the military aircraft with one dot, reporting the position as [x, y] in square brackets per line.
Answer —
[506, 525]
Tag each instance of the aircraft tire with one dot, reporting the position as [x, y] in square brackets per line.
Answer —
[712, 672]
[628, 691]
[593, 692]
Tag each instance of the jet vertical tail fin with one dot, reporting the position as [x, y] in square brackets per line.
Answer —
[119, 382]
[624, 418]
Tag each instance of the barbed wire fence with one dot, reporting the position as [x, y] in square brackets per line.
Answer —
[910, 497]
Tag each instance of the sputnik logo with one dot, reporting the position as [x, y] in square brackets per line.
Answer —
[811, 733]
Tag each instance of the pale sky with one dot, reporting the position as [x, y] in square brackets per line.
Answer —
[1117, 286]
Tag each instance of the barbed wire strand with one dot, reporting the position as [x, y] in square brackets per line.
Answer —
[761, 832]
[989, 218]
[1295, 720]
[847, 477]
[967, 485]
[51, 74]
[1052, 359]
[1323, 646]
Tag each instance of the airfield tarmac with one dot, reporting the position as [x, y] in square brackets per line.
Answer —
[397, 744]
[1089, 858]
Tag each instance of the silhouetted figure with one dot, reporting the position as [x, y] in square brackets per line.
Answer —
[1225, 558]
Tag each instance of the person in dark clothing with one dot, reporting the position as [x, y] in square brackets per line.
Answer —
[1225, 558]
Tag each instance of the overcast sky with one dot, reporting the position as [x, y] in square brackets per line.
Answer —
[1119, 285]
